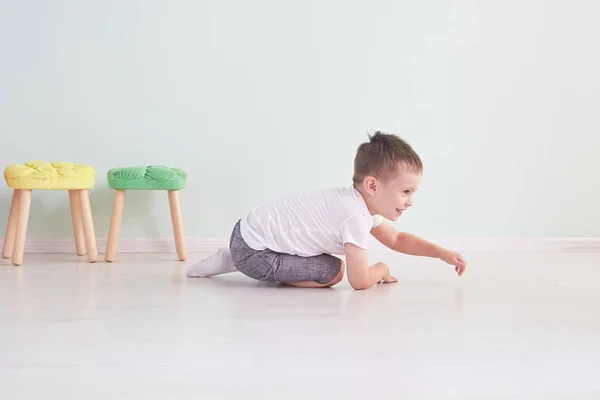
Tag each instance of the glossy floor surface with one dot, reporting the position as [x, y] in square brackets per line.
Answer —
[516, 326]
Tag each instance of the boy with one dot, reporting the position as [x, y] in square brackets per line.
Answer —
[292, 241]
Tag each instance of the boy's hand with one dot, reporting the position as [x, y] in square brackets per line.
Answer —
[454, 258]
[360, 275]
[387, 278]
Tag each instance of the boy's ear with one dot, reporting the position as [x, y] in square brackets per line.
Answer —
[370, 184]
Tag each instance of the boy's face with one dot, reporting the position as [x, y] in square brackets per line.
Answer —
[392, 197]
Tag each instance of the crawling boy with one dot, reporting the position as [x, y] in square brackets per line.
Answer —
[292, 241]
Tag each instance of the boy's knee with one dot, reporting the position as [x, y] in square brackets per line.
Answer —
[338, 278]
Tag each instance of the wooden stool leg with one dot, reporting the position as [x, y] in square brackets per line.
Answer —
[177, 224]
[77, 220]
[11, 226]
[115, 226]
[88, 226]
[23, 220]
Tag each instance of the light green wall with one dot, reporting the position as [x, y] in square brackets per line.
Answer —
[259, 99]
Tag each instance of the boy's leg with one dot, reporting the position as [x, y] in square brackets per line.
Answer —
[269, 266]
[310, 272]
[315, 284]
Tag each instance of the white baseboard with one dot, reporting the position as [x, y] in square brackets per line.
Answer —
[211, 244]
[127, 245]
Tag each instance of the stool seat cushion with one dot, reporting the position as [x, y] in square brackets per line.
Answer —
[43, 175]
[147, 178]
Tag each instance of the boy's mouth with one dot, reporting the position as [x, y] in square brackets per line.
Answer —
[399, 211]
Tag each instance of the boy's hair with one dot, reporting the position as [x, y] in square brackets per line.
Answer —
[380, 156]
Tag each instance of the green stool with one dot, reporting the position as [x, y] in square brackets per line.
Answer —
[146, 178]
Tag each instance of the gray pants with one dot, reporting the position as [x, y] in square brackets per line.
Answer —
[270, 266]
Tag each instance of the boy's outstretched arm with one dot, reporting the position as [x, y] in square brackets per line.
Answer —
[360, 275]
[413, 245]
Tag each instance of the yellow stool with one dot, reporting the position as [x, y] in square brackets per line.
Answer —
[41, 175]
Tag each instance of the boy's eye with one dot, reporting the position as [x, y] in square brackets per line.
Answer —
[407, 192]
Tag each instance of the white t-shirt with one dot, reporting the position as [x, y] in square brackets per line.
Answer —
[311, 224]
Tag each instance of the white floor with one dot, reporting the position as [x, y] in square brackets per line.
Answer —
[516, 326]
